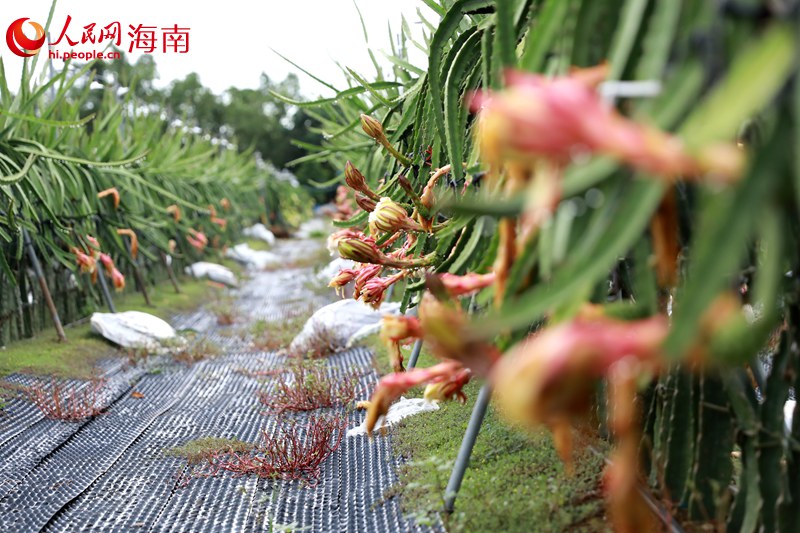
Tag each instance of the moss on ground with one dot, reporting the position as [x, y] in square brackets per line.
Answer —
[258, 245]
[515, 481]
[44, 355]
[198, 450]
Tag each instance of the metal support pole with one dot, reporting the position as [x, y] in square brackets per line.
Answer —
[138, 275]
[412, 361]
[170, 272]
[460, 467]
[37, 268]
[104, 289]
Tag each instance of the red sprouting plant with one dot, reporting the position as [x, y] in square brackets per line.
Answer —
[70, 403]
[295, 452]
[305, 387]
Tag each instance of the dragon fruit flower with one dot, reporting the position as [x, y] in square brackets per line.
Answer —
[449, 389]
[108, 263]
[87, 263]
[134, 240]
[374, 290]
[556, 118]
[359, 250]
[175, 211]
[374, 129]
[391, 217]
[363, 274]
[395, 328]
[345, 276]
[391, 386]
[550, 377]
[221, 222]
[94, 245]
[467, 284]
[117, 279]
[356, 181]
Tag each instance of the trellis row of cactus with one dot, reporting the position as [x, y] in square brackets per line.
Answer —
[102, 190]
[631, 263]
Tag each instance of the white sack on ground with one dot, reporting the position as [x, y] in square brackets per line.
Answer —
[259, 231]
[258, 259]
[214, 272]
[341, 320]
[333, 268]
[310, 227]
[402, 408]
[788, 415]
[132, 329]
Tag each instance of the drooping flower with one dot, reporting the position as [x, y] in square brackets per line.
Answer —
[108, 263]
[449, 389]
[134, 240]
[113, 192]
[363, 274]
[345, 276]
[117, 279]
[175, 211]
[556, 118]
[391, 217]
[374, 290]
[550, 377]
[395, 328]
[94, 246]
[391, 386]
[467, 284]
[86, 262]
[221, 222]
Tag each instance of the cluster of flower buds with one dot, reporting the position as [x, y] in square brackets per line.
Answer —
[87, 262]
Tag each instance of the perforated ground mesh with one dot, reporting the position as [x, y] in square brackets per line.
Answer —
[111, 473]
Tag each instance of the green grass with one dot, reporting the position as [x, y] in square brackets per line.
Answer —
[44, 355]
[258, 245]
[515, 481]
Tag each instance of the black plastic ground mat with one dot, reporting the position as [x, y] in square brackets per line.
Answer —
[112, 473]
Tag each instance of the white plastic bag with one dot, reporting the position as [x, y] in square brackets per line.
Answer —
[258, 259]
[214, 272]
[340, 320]
[132, 329]
[402, 408]
[259, 231]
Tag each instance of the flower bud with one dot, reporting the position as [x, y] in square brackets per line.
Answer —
[373, 128]
[86, 262]
[108, 263]
[467, 284]
[366, 203]
[363, 275]
[345, 276]
[391, 217]
[399, 327]
[360, 251]
[175, 211]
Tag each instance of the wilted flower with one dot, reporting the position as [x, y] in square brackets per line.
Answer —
[467, 284]
[134, 240]
[94, 245]
[374, 290]
[449, 389]
[117, 279]
[113, 192]
[555, 118]
[225, 203]
[175, 211]
[391, 217]
[221, 222]
[550, 378]
[447, 332]
[86, 262]
[108, 263]
[395, 328]
[365, 273]
[391, 386]
[345, 276]
[212, 210]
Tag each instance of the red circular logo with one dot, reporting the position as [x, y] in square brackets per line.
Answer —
[21, 44]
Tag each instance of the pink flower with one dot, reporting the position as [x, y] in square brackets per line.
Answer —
[345, 276]
[365, 273]
[391, 386]
[556, 118]
[86, 262]
[117, 279]
[374, 290]
[467, 284]
[108, 263]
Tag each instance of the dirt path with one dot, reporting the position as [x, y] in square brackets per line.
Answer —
[111, 473]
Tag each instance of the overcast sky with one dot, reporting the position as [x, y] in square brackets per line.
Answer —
[230, 41]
